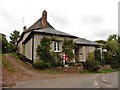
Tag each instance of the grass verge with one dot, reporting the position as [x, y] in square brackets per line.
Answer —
[99, 71]
[7, 64]
[47, 71]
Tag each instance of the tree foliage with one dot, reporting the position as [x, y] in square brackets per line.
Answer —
[92, 65]
[101, 41]
[68, 47]
[113, 54]
[98, 57]
[118, 39]
[46, 57]
[91, 56]
[12, 46]
[3, 43]
[14, 36]
[43, 50]
[112, 37]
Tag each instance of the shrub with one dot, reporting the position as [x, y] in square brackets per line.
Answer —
[91, 56]
[71, 64]
[20, 56]
[97, 54]
[43, 50]
[92, 65]
[67, 48]
[98, 57]
[47, 57]
[57, 59]
[111, 60]
[41, 65]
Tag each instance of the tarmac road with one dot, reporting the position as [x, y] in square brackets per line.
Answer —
[109, 80]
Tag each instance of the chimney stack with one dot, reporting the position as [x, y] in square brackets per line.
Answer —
[24, 28]
[44, 19]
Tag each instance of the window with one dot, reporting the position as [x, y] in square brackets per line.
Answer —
[56, 46]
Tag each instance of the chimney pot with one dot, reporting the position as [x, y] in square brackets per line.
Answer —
[24, 28]
[44, 19]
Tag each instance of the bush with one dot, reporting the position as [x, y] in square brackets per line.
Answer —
[43, 51]
[91, 56]
[67, 48]
[57, 64]
[57, 59]
[20, 56]
[92, 65]
[47, 57]
[41, 65]
[111, 60]
[71, 64]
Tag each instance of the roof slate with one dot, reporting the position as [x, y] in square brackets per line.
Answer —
[84, 41]
[53, 31]
[37, 25]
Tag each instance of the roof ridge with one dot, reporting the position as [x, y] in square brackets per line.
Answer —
[37, 25]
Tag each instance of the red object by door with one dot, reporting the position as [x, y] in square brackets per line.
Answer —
[66, 57]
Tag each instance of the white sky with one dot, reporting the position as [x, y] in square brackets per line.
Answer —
[90, 19]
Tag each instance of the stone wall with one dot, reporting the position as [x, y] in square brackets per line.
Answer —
[69, 69]
[105, 67]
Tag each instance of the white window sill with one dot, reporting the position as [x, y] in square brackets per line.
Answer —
[57, 51]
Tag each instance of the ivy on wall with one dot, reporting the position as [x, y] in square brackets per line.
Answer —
[46, 57]
[43, 50]
[68, 46]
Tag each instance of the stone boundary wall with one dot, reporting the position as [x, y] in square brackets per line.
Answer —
[105, 67]
[69, 69]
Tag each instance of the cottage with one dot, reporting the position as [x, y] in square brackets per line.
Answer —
[30, 38]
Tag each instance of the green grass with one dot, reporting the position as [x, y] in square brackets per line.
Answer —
[87, 71]
[55, 72]
[8, 65]
[17, 57]
[23, 63]
[0, 55]
[108, 71]
[47, 71]
[0, 60]
[99, 71]
[14, 55]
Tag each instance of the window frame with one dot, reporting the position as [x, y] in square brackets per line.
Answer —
[56, 46]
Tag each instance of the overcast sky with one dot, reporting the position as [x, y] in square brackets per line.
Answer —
[90, 19]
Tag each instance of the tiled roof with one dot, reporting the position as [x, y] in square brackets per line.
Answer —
[53, 31]
[84, 41]
[37, 25]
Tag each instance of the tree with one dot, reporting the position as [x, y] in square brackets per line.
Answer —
[118, 39]
[12, 46]
[112, 37]
[118, 55]
[14, 36]
[113, 54]
[92, 65]
[3, 43]
[46, 58]
[98, 57]
[101, 41]
[68, 46]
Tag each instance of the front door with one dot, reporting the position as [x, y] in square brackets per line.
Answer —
[80, 54]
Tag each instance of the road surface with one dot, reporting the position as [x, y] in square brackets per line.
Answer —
[109, 80]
